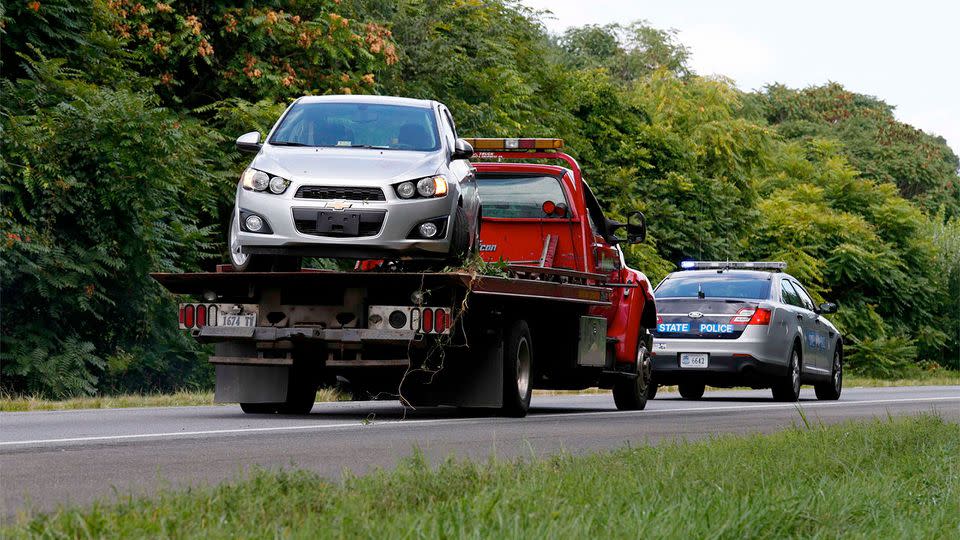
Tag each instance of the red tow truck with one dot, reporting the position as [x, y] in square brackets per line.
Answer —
[552, 306]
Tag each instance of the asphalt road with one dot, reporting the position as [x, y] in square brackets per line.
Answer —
[74, 457]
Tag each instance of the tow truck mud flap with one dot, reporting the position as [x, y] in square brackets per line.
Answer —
[479, 380]
[238, 383]
[592, 348]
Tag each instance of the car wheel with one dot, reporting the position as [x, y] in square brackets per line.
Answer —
[652, 390]
[517, 370]
[691, 391]
[256, 263]
[831, 390]
[632, 394]
[788, 389]
[460, 236]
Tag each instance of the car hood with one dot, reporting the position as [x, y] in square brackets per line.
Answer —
[319, 164]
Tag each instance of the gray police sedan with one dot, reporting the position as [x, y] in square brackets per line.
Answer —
[744, 324]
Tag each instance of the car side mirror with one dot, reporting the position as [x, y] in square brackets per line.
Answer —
[249, 142]
[636, 227]
[461, 150]
[828, 307]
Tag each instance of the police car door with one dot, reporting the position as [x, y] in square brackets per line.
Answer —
[824, 359]
[805, 320]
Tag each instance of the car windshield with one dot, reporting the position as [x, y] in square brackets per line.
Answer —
[714, 286]
[358, 125]
[513, 196]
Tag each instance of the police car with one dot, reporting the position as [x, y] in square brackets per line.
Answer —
[744, 324]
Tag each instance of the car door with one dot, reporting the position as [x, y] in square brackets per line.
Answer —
[805, 321]
[819, 330]
[462, 168]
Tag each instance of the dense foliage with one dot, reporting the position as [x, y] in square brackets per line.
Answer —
[117, 119]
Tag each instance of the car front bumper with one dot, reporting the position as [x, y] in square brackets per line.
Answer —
[289, 217]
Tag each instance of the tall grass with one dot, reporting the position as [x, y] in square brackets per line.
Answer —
[897, 478]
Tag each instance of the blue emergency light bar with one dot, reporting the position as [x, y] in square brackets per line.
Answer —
[778, 266]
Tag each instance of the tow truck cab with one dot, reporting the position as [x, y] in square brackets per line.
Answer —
[547, 216]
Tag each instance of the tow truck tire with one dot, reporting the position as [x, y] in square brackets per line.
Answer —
[652, 390]
[517, 370]
[259, 408]
[691, 391]
[632, 394]
[831, 389]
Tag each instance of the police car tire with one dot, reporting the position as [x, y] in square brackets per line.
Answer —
[830, 390]
[784, 389]
[691, 391]
[259, 408]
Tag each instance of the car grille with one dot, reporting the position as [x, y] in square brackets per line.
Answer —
[341, 193]
[371, 221]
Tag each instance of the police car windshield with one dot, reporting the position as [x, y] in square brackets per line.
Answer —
[714, 286]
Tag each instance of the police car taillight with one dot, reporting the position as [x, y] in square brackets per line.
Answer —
[743, 316]
[761, 316]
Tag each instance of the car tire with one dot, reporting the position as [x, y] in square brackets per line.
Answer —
[460, 237]
[788, 388]
[517, 370]
[259, 408]
[632, 394]
[691, 391]
[652, 389]
[830, 390]
[256, 263]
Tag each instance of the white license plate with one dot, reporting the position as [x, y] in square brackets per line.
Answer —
[238, 321]
[694, 360]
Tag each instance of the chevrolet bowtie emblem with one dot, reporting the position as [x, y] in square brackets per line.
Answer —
[339, 205]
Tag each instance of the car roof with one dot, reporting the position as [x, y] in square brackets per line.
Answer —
[382, 100]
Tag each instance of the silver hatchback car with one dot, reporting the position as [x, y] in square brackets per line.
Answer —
[744, 324]
[364, 177]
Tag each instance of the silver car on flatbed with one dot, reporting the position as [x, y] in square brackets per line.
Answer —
[744, 324]
[365, 177]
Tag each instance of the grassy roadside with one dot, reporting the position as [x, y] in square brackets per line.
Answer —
[176, 399]
[897, 478]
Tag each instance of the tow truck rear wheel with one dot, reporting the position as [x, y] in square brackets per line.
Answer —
[631, 394]
[517, 370]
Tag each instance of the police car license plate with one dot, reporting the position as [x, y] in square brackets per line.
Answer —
[694, 360]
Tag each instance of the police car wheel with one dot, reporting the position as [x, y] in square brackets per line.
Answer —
[788, 388]
[830, 390]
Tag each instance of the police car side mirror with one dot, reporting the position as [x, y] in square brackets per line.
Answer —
[249, 142]
[636, 227]
[827, 307]
[461, 150]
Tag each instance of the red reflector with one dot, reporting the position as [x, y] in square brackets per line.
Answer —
[188, 316]
[181, 314]
[659, 319]
[201, 316]
[549, 207]
[440, 317]
[427, 319]
[760, 316]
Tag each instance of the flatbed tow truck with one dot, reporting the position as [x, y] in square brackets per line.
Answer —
[552, 306]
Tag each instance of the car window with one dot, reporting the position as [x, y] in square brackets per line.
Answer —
[516, 196]
[714, 286]
[804, 296]
[789, 294]
[450, 123]
[388, 127]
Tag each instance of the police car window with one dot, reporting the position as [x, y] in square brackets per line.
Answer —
[789, 294]
[517, 196]
[714, 286]
[804, 297]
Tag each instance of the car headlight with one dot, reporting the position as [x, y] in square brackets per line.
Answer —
[432, 186]
[278, 185]
[254, 180]
[406, 190]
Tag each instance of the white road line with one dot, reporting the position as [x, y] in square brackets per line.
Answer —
[413, 423]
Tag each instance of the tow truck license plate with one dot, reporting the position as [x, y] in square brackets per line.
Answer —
[694, 360]
[245, 320]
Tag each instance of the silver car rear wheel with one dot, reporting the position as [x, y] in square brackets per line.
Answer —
[788, 389]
